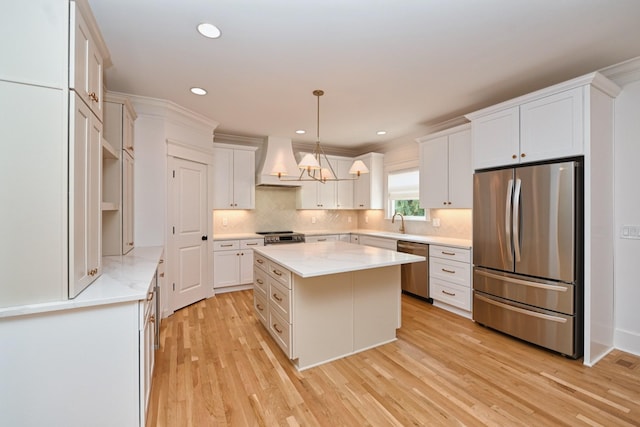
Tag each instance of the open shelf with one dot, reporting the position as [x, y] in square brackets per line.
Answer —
[108, 151]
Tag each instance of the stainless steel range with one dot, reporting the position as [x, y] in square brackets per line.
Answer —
[279, 237]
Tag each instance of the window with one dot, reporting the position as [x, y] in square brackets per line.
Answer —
[403, 186]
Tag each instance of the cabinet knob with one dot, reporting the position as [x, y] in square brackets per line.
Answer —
[150, 296]
[93, 97]
[152, 318]
[444, 203]
[205, 237]
[161, 274]
[130, 243]
[514, 156]
[448, 203]
[523, 155]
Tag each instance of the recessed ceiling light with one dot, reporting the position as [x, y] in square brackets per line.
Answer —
[198, 91]
[209, 30]
[381, 132]
[301, 131]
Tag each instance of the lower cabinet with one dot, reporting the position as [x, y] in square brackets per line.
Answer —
[81, 365]
[450, 278]
[233, 263]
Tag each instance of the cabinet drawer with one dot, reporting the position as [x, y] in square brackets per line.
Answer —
[281, 331]
[252, 243]
[226, 245]
[260, 262]
[260, 281]
[450, 293]
[446, 252]
[280, 273]
[451, 271]
[260, 307]
[279, 299]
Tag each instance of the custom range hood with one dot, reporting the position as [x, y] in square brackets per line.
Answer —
[277, 155]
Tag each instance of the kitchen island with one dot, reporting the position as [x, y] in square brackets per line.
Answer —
[323, 301]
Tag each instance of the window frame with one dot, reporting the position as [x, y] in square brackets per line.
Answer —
[399, 167]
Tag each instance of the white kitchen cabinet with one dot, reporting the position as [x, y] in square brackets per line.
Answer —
[345, 238]
[446, 173]
[234, 177]
[316, 195]
[86, 59]
[368, 189]
[85, 197]
[35, 43]
[450, 278]
[96, 352]
[549, 126]
[233, 262]
[344, 189]
[40, 116]
[118, 175]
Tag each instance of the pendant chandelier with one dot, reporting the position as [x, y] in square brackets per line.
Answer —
[316, 166]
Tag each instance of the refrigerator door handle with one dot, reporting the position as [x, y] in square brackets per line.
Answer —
[516, 218]
[507, 218]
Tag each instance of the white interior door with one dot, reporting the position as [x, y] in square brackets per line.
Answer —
[188, 199]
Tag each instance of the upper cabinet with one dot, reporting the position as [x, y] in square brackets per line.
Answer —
[330, 194]
[368, 189]
[548, 124]
[118, 172]
[86, 62]
[234, 176]
[35, 43]
[446, 173]
[63, 151]
[344, 189]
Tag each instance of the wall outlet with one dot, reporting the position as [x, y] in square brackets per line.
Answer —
[630, 232]
[349, 219]
[366, 219]
[225, 221]
[435, 222]
[313, 220]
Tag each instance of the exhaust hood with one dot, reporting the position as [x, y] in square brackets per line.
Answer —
[278, 155]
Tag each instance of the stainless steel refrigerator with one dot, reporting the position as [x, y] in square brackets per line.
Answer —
[527, 253]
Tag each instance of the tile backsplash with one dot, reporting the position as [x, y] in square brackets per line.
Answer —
[276, 210]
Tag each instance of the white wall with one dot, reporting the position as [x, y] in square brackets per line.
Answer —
[627, 212]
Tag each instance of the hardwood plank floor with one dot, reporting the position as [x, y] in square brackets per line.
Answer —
[218, 366]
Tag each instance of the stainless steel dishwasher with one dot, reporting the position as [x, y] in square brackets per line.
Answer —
[415, 276]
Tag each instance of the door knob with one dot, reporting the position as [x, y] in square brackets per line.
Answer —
[205, 237]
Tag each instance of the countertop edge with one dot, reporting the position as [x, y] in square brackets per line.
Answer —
[125, 278]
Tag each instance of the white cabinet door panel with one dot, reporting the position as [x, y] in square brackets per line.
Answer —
[460, 170]
[434, 173]
[552, 127]
[496, 139]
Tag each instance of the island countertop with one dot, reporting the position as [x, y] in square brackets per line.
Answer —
[322, 258]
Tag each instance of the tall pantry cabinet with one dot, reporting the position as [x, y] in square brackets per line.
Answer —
[51, 120]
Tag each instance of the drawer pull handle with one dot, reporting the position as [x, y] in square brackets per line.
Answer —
[149, 296]
[252, 244]
[448, 271]
[276, 328]
[226, 246]
[277, 298]
[259, 307]
[259, 261]
[452, 294]
[260, 282]
[322, 240]
[448, 253]
[277, 272]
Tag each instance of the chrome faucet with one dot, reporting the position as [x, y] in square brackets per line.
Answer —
[393, 220]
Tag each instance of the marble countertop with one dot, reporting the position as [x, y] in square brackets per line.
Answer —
[124, 278]
[431, 240]
[322, 258]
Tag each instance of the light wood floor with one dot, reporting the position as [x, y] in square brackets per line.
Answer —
[218, 367]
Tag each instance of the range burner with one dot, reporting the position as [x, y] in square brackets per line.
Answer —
[278, 237]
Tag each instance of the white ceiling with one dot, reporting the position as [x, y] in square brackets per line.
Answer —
[397, 65]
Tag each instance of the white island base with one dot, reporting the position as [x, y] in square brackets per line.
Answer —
[345, 313]
[324, 301]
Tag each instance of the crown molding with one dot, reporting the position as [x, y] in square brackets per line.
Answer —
[623, 73]
[170, 111]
